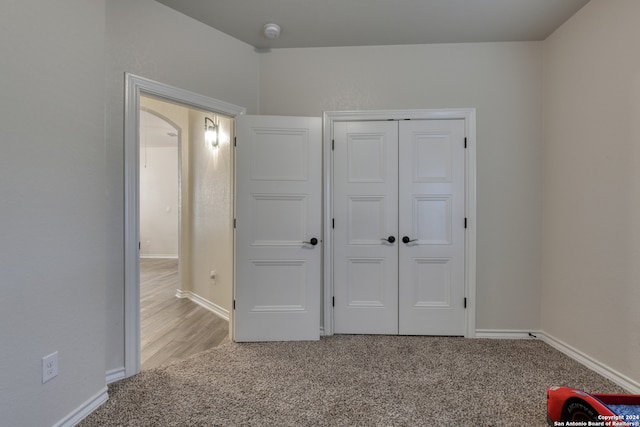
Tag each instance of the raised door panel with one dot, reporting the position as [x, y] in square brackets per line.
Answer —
[279, 219]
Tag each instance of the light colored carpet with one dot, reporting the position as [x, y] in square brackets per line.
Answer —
[351, 381]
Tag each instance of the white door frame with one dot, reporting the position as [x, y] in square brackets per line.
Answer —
[469, 116]
[134, 87]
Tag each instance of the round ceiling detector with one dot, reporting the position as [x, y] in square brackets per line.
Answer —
[272, 31]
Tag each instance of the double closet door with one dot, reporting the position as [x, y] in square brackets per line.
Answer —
[399, 227]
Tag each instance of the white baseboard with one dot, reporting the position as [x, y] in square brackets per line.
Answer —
[577, 355]
[116, 375]
[84, 410]
[593, 364]
[214, 308]
[509, 334]
[159, 256]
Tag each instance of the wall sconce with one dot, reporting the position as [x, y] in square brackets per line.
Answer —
[210, 132]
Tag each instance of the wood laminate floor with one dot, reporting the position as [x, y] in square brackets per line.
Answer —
[172, 328]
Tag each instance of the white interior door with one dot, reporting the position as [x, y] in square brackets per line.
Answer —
[432, 220]
[365, 162]
[404, 180]
[278, 228]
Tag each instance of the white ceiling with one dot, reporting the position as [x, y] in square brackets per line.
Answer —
[315, 23]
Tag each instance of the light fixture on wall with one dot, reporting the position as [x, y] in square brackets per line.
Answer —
[210, 132]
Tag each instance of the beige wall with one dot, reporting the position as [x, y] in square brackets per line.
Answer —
[150, 40]
[591, 236]
[503, 81]
[179, 116]
[158, 201]
[211, 240]
[207, 204]
[53, 255]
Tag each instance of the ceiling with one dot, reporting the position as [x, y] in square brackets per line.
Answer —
[320, 23]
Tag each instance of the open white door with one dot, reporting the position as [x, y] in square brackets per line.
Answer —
[278, 228]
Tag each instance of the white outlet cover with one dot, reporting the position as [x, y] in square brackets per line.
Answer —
[49, 367]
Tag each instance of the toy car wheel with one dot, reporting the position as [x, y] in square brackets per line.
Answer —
[577, 410]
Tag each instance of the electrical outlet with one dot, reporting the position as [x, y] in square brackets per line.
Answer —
[49, 367]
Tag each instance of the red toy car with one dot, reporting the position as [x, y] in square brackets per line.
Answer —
[570, 407]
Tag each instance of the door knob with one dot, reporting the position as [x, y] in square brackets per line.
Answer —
[313, 241]
[389, 239]
[406, 239]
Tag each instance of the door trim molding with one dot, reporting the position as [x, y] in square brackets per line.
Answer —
[134, 87]
[469, 117]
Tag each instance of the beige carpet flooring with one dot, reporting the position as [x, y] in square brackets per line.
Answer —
[351, 381]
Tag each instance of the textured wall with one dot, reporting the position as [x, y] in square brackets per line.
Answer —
[211, 240]
[159, 201]
[591, 243]
[503, 81]
[53, 210]
[178, 115]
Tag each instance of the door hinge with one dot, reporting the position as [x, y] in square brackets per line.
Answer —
[465, 302]
[235, 141]
[333, 223]
[234, 304]
[333, 144]
[333, 301]
[139, 246]
[234, 223]
[465, 223]
[465, 142]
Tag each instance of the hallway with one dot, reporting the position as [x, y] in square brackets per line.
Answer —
[172, 328]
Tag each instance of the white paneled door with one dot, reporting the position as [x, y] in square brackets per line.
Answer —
[365, 227]
[431, 227]
[399, 207]
[278, 228]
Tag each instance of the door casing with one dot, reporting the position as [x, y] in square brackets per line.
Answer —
[469, 117]
[134, 87]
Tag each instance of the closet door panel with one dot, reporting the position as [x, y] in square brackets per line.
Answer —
[365, 196]
[431, 221]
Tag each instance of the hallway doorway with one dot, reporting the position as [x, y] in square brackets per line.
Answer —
[204, 276]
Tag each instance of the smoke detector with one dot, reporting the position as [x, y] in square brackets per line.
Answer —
[272, 31]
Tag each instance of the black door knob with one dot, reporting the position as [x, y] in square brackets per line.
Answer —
[406, 239]
[313, 241]
[389, 239]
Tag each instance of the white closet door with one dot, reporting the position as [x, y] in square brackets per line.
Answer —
[431, 219]
[278, 229]
[365, 197]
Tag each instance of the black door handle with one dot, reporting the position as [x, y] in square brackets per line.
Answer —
[406, 239]
[389, 239]
[313, 241]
